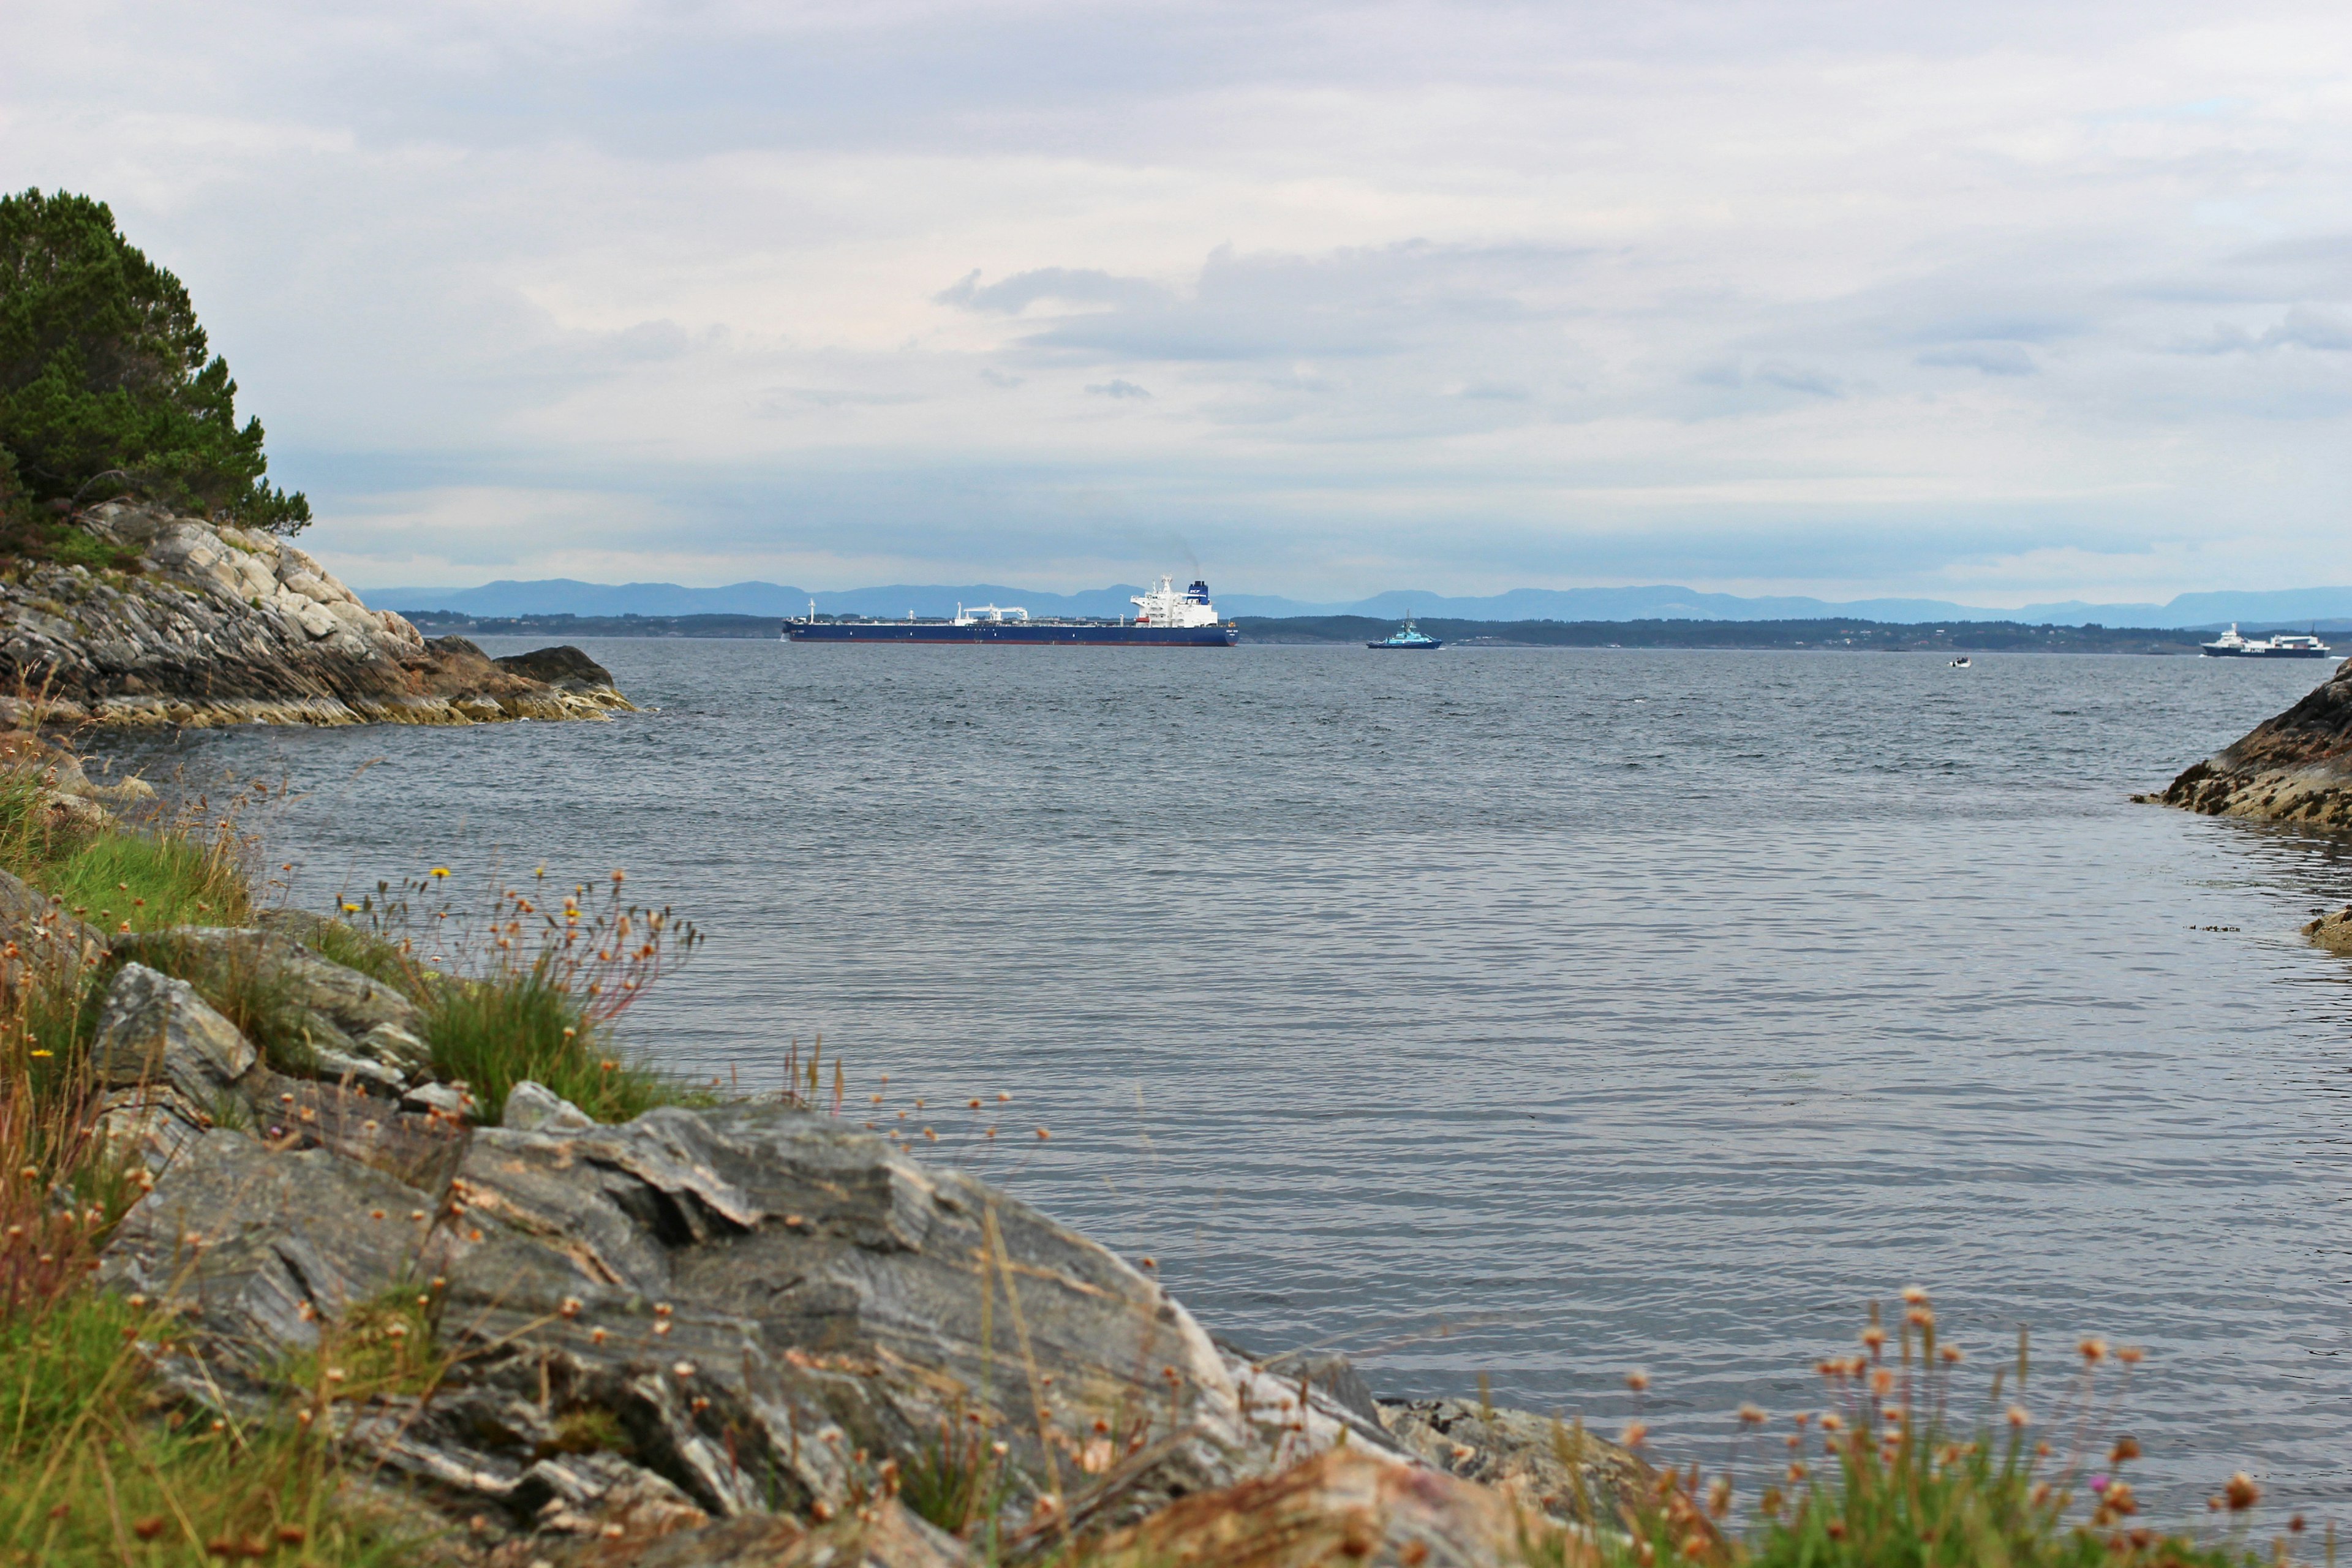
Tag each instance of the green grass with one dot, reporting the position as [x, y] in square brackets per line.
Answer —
[97, 1466]
[147, 880]
[493, 1033]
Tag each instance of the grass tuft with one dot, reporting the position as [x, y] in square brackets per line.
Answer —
[532, 990]
[492, 1033]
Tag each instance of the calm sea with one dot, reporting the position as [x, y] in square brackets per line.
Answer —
[1540, 1014]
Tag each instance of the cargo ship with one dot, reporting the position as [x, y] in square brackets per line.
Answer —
[1164, 617]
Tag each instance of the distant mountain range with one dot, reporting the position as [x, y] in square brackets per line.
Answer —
[2329, 608]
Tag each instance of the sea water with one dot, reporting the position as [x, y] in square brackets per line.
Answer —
[1532, 1013]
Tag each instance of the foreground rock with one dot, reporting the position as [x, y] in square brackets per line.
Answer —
[202, 624]
[744, 1334]
[2295, 767]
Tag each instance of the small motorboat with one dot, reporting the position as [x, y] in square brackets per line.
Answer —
[1406, 637]
[1961, 662]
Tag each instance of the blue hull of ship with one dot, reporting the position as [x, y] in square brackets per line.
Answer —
[990, 635]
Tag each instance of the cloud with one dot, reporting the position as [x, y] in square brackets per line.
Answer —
[1116, 389]
[1060, 285]
[1991, 359]
[1472, 296]
[2302, 328]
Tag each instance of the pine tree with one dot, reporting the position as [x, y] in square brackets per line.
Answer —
[107, 382]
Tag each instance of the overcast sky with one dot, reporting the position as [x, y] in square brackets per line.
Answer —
[1996, 303]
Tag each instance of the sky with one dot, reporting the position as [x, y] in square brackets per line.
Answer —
[1997, 303]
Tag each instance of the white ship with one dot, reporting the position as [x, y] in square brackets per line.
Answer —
[2285, 644]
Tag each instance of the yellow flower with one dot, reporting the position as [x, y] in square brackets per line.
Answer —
[350, 909]
[45, 1052]
[440, 870]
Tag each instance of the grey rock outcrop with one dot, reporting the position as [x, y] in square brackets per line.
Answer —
[168, 1064]
[39, 937]
[2294, 767]
[209, 624]
[764, 1294]
[353, 1024]
[725, 1335]
[154, 1029]
[258, 1248]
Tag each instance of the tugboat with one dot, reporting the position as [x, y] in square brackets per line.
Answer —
[1406, 637]
[2285, 644]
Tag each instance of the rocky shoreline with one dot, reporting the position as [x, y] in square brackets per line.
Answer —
[738, 1333]
[2294, 767]
[196, 624]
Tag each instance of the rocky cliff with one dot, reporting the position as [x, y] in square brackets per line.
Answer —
[191, 624]
[2294, 767]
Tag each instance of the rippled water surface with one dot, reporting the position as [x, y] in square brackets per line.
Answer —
[1533, 1013]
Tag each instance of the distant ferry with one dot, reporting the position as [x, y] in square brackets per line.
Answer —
[2287, 645]
[1163, 619]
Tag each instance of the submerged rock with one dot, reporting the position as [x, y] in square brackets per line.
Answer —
[210, 624]
[2333, 931]
[2294, 767]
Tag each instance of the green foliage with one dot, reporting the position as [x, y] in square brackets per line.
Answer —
[107, 382]
[1881, 1478]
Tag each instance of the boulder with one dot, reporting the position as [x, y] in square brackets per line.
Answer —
[169, 1066]
[533, 1108]
[2333, 932]
[566, 669]
[155, 1029]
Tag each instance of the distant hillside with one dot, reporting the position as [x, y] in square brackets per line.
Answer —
[2328, 609]
[1833, 633]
